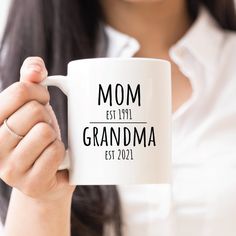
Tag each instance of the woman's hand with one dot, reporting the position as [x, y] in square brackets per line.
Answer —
[31, 164]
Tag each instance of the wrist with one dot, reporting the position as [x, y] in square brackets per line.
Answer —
[44, 216]
[43, 204]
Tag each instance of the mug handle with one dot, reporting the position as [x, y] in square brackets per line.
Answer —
[61, 82]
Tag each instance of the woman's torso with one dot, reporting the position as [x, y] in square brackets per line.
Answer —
[201, 199]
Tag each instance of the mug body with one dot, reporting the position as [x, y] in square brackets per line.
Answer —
[119, 121]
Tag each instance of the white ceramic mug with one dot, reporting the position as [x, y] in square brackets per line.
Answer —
[119, 120]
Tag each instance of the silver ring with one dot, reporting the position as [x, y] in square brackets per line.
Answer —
[11, 131]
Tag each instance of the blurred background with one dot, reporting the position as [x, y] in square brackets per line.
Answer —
[4, 4]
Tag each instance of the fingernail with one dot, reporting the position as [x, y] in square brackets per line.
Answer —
[38, 69]
[35, 68]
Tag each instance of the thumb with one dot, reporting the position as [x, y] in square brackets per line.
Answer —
[33, 70]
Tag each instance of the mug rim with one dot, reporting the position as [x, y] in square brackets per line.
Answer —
[121, 59]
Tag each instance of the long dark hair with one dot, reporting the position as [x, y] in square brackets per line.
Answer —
[60, 31]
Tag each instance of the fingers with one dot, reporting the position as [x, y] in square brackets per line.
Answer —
[32, 145]
[49, 161]
[29, 115]
[39, 154]
[7, 141]
[21, 122]
[12, 98]
[33, 70]
[42, 177]
[30, 164]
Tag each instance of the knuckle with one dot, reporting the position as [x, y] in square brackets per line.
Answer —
[57, 150]
[36, 108]
[45, 131]
[46, 94]
[21, 90]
